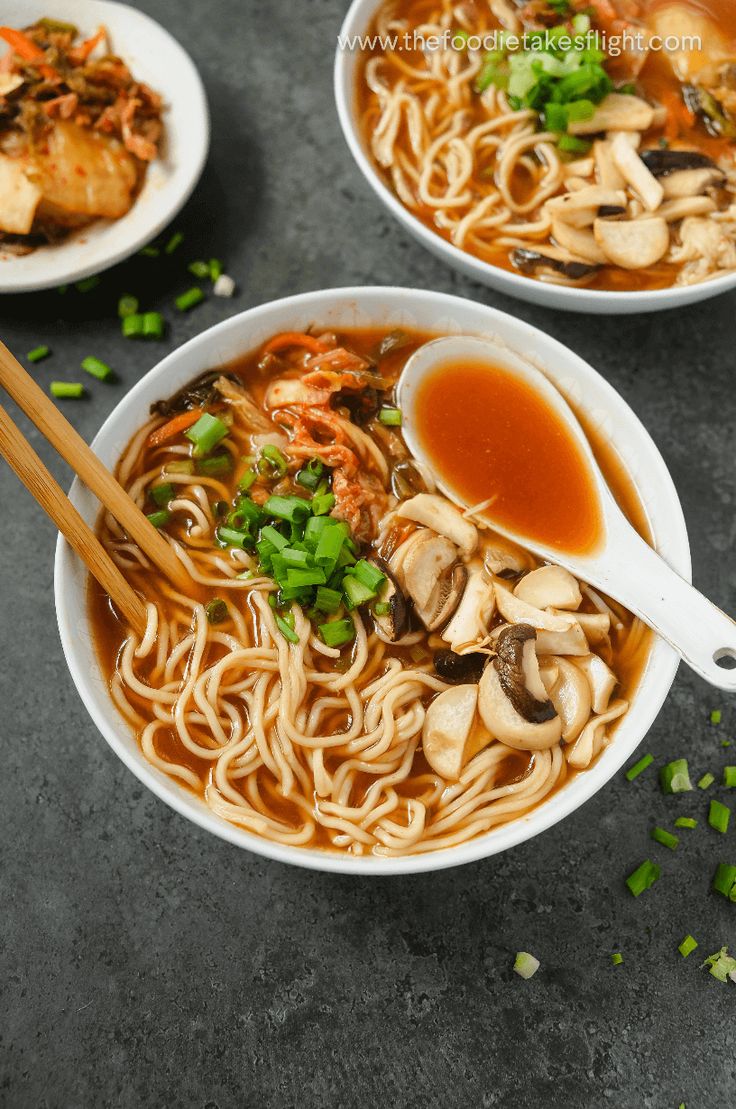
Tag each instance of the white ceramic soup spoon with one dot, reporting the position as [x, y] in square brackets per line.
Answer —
[623, 565]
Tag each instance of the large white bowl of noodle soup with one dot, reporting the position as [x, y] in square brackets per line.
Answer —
[357, 22]
[387, 308]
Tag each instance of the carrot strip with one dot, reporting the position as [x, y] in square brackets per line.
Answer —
[174, 427]
[27, 49]
[294, 339]
[82, 52]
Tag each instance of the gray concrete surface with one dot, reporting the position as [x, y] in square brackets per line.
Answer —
[143, 963]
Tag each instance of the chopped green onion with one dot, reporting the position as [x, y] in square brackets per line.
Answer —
[132, 325]
[525, 965]
[216, 466]
[38, 353]
[337, 633]
[719, 816]
[190, 299]
[216, 611]
[309, 476]
[643, 878]
[274, 456]
[160, 519]
[660, 835]
[275, 537]
[382, 608]
[150, 251]
[729, 777]
[330, 545]
[687, 946]
[686, 822]
[162, 493]
[292, 509]
[369, 575]
[706, 781]
[174, 242]
[292, 556]
[230, 537]
[722, 965]
[724, 880]
[199, 269]
[391, 417]
[153, 325]
[246, 481]
[675, 777]
[570, 144]
[715, 716]
[96, 368]
[185, 466]
[66, 390]
[356, 592]
[127, 306]
[62, 289]
[639, 767]
[287, 631]
[215, 269]
[617, 958]
[323, 504]
[298, 579]
[725, 743]
[206, 434]
[327, 600]
[87, 284]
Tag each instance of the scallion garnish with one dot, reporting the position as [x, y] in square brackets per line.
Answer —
[687, 946]
[206, 434]
[182, 466]
[190, 299]
[617, 958]
[162, 494]
[153, 325]
[675, 777]
[715, 716]
[722, 965]
[286, 630]
[323, 504]
[66, 390]
[199, 269]
[337, 633]
[643, 877]
[127, 306]
[724, 880]
[216, 611]
[215, 269]
[719, 816]
[686, 822]
[639, 767]
[38, 353]
[216, 466]
[160, 519]
[729, 777]
[87, 284]
[706, 781]
[275, 459]
[660, 835]
[287, 508]
[149, 251]
[246, 481]
[525, 965]
[174, 242]
[96, 368]
[391, 417]
[132, 325]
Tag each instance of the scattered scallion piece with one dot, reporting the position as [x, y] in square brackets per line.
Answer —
[573, 145]
[96, 368]
[127, 306]
[525, 965]
[639, 767]
[153, 325]
[729, 777]
[337, 633]
[190, 299]
[215, 269]
[617, 958]
[162, 494]
[719, 816]
[216, 611]
[716, 716]
[287, 508]
[174, 242]
[675, 777]
[275, 458]
[382, 608]
[208, 431]
[183, 466]
[391, 417]
[287, 631]
[87, 284]
[725, 743]
[323, 504]
[232, 537]
[722, 965]
[643, 878]
[216, 466]
[132, 325]
[661, 835]
[199, 269]
[724, 880]
[149, 251]
[66, 390]
[160, 519]
[38, 353]
[687, 946]
[706, 781]
[686, 822]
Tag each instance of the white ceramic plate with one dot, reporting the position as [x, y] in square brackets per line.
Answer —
[594, 301]
[386, 308]
[157, 59]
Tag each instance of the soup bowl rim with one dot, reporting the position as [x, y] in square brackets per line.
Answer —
[378, 306]
[561, 297]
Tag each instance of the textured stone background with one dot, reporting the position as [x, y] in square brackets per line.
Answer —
[145, 963]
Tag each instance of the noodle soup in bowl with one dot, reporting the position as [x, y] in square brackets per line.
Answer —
[589, 176]
[236, 708]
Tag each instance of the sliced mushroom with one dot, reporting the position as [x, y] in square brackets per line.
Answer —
[549, 587]
[395, 623]
[572, 641]
[608, 175]
[578, 241]
[505, 559]
[571, 696]
[433, 577]
[600, 678]
[616, 112]
[579, 209]
[635, 172]
[292, 390]
[532, 261]
[595, 625]
[444, 518]
[633, 244]
[518, 611]
[447, 727]
[512, 700]
[684, 206]
[691, 182]
[456, 669]
[468, 628]
[591, 739]
[662, 162]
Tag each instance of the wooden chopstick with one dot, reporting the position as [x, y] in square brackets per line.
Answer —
[73, 449]
[22, 458]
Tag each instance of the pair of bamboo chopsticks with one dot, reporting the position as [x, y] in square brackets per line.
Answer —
[22, 458]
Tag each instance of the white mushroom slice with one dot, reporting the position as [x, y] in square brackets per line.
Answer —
[569, 642]
[633, 244]
[291, 390]
[583, 167]
[592, 737]
[549, 587]
[636, 173]
[433, 577]
[447, 728]
[691, 182]
[609, 176]
[572, 699]
[617, 112]
[594, 196]
[19, 197]
[549, 672]
[517, 611]
[444, 518]
[633, 138]
[468, 628]
[601, 679]
[684, 206]
[512, 700]
[596, 626]
[579, 242]
[505, 561]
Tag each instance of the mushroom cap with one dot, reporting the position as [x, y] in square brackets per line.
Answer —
[429, 571]
[395, 623]
[512, 700]
[468, 628]
[447, 727]
[549, 587]
[442, 517]
[571, 696]
[518, 611]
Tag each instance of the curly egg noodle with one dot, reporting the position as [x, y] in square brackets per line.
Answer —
[240, 696]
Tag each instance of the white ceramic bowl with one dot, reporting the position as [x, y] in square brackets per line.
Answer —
[386, 308]
[357, 21]
[156, 58]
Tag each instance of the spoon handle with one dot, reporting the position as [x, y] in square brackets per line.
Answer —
[703, 635]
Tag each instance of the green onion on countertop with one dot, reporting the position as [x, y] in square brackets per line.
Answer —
[687, 946]
[96, 368]
[66, 390]
[190, 299]
[617, 958]
[643, 878]
[660, 835]
[174, 242]
[38, 353]
[706, 781]
[525, 965]
[675, 777]
[719, 816]
[724, 880]
[127, 306]
[686, 822]
[729, 777]
[639, 767]
[721, 965]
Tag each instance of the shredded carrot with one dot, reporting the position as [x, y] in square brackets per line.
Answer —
[174, 427]
[27, 49]
[82, 52]
[294, 339]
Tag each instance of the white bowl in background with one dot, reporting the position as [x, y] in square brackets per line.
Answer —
[594, 301]
[157, 59]
[385, 308]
